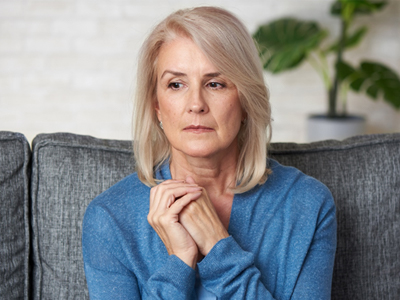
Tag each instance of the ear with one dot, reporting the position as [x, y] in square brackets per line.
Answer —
[157, 109]
[244, 116]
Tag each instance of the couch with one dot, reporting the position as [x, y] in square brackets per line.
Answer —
[45, 189]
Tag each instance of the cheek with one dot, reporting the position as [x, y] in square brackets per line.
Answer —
[169, 115]
[168, 104]
[163, 106]
[230, 121]
[232, 112]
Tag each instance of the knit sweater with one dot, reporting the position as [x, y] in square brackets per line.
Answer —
[281, 246]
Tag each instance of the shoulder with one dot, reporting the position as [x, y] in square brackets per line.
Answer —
[290, 177]
[299, 188]
[306, 203]
[129, 188]
[126, 197]
[291, 208]
[121, 209]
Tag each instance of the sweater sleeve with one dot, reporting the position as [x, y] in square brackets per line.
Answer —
[315, 278]
[230, 272]
[107, 273]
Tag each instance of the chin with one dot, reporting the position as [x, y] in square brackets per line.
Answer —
[200, 153]
[204, 151]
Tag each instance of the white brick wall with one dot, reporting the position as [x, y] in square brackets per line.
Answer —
[68, 65]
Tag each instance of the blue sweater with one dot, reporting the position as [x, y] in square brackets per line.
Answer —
[281, 246]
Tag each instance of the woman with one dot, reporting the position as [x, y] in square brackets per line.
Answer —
[207, 215]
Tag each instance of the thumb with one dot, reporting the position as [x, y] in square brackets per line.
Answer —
[189, 179]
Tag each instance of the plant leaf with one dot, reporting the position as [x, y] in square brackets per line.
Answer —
[285, 43]
[373, 91]
[360, 6]
[344, 70]
[357, 83]
[356, 37]
[351, 41]
[377, 80]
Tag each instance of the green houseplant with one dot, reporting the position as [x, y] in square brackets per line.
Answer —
[285, 43]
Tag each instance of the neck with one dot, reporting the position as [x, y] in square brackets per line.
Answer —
[216, 174]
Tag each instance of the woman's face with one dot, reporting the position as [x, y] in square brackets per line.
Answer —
[197, 105]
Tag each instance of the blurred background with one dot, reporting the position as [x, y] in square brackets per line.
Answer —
[69, 65]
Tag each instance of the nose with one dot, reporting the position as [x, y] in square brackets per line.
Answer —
[196, 101]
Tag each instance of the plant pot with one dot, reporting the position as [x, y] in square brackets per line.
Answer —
[322, 127]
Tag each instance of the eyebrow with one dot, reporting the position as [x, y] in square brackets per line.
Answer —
[209, 75]
[173, 73]
[216, 74]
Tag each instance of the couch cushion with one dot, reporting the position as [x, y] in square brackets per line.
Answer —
[363, 174]
[68, 171]
[14, 216]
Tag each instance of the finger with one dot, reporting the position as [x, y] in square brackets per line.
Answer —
[178, 193]
[161, 186]
[157, 191]
[164, 197]
[175, 181]
[190, 179]
[171, 181]
[180, 204]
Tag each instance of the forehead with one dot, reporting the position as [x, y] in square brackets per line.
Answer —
[182, 54]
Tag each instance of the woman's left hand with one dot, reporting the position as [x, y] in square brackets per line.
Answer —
[201, 220]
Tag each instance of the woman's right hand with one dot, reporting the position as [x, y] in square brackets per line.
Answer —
[167, 200]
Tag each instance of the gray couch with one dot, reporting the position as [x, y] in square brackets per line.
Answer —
[44, 193]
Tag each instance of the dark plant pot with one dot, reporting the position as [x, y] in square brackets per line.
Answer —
[322, 127]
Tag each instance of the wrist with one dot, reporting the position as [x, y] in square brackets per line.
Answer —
[190, 260]
[213, 242]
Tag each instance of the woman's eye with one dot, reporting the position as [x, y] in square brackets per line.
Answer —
[215, 85]
[175, 85]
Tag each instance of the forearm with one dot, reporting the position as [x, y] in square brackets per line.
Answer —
[115, 269]
[175, 280]
[229, 272]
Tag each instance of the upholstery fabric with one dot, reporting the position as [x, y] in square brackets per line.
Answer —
[14, 218]
[363, 174]
[68, 171]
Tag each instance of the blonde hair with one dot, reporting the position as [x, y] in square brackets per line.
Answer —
[228, 45]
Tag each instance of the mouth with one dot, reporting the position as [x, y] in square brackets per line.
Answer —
[198, 128]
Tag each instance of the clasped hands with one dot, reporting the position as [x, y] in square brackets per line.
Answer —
[185, 219]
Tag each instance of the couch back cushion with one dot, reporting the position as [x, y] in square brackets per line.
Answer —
[68, 171]
[14, 215]
[363, 174]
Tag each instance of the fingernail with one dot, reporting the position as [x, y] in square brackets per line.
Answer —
[197, 194]
[195, 188]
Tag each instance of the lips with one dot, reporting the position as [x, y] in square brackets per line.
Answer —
[198, 128]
